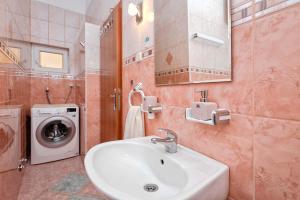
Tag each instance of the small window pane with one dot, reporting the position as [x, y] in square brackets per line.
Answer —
[51, 60]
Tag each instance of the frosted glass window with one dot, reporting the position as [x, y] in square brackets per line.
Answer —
[51, 60]
[16, 51]
[6, 60]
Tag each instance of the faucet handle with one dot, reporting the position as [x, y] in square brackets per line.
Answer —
[170, 133]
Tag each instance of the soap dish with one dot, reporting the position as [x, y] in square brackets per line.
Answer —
[219, 116]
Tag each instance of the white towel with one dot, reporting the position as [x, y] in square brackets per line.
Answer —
[134, 126]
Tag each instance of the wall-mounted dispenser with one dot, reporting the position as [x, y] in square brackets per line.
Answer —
[207, 112]
[202, 109]
[149, 105]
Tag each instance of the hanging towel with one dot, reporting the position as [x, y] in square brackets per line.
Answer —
[134, 126]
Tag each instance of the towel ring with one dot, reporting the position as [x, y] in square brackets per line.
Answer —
[135, 91]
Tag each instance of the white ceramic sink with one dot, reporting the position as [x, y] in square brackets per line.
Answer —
[121, 169]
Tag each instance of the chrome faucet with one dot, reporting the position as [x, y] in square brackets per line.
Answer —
[170, 141]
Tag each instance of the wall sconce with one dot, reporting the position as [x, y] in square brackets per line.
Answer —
[137, 11]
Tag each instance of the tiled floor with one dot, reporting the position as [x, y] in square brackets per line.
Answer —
[61, 180]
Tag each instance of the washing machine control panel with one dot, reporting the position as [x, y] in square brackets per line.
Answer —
[69, 111]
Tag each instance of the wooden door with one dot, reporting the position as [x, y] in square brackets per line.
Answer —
[111, 77]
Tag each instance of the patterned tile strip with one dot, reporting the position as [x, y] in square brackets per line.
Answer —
[145, 54]
[244, 12]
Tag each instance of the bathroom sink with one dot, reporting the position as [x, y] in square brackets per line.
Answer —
[136, 169]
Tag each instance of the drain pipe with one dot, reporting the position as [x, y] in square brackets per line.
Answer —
[47, 95]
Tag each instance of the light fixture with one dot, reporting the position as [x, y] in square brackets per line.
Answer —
[137, 11]
[132, 9]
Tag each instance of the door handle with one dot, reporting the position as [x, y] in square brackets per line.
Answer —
[117, 99]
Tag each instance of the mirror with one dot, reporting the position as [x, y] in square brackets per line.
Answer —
[192, 41]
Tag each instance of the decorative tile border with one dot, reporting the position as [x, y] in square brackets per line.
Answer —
[93, 72]
[145, 54]
[52, 76]
[35, 75]
[209, 77]
[194, 70]
[264, 7]
[245, 11]
[188, 74]
[173, 78]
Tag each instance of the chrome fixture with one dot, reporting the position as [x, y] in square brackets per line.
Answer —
[170, 141]
[221, 116]
[137, 89]
[139, 86]
[82, 44]
[151, 108]
[209, 39]
[204, 95]
[155, 109]
[22, 164]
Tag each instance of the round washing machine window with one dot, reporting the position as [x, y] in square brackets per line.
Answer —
[55, 132]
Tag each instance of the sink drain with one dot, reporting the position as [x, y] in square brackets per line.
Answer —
[151, 187]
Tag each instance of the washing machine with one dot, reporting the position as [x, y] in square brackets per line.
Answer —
[54, 132]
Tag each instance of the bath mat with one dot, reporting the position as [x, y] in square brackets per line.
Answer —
[72, 183]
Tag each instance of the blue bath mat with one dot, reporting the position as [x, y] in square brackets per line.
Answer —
[71, 184]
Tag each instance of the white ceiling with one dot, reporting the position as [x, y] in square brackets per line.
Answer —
[98, 9]
[73, 5]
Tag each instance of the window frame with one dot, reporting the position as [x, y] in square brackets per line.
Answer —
[37, 49]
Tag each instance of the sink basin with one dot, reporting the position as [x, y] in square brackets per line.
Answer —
[136, 169]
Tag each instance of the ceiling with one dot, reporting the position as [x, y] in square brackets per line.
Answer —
[78, 6]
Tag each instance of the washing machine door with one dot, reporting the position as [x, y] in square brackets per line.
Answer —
[55, 132]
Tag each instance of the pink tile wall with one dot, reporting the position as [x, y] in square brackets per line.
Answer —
[3, 87]
[59, 89]
[261, 144]
[14, 92]
[80, 89]
[93, 109]
[14, 88]
[88, 96]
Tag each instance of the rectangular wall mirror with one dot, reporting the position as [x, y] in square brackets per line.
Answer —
[192, 41]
